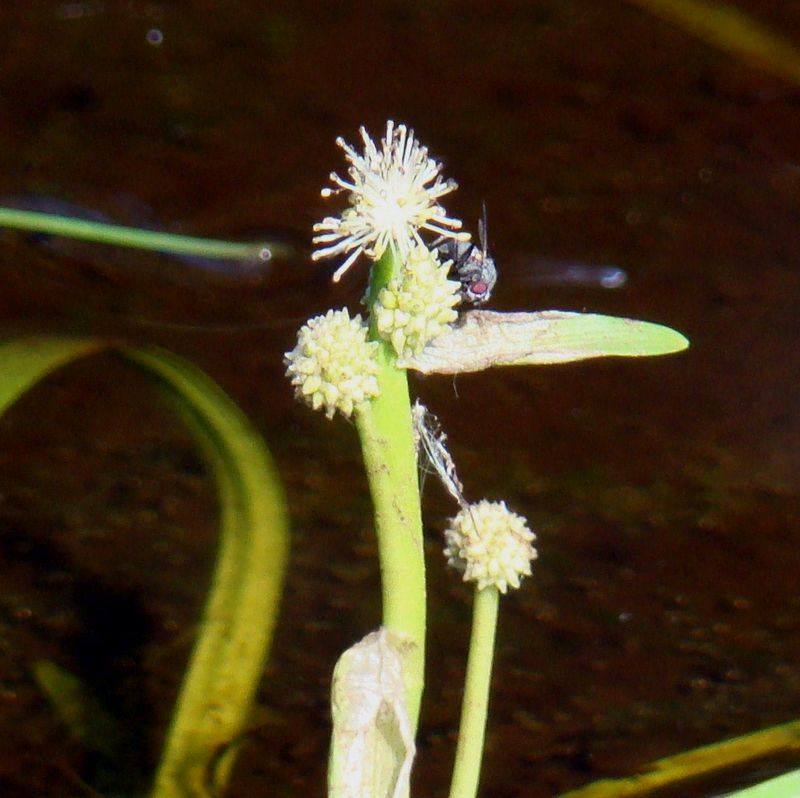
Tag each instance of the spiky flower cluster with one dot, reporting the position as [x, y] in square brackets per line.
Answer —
[490, 545]
[418, 304]
[394, 193]
[333, 366]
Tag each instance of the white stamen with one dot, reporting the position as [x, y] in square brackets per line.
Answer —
[393, 193]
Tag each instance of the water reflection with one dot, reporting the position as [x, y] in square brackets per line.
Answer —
[539, 271]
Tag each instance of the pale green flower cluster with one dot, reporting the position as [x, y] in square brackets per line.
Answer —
[490, 545]
[393, 189]
[418, 304]
[333, 366]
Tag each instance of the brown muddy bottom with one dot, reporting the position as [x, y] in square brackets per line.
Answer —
[663, 611]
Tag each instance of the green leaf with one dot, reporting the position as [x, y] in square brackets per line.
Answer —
[786, 786]
[25, 361]
[136, 238]
[78, 708]
[234, 635]
[485, 338]
[725, 26]
[703, 762]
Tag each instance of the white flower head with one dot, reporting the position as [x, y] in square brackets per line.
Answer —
[394, 193]
[333, 366]
[490, 545]
[418, 304]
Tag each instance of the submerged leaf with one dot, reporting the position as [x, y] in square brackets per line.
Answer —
[484, 338]
[234, 635]
[725, 26]
[748, 750]
[78, 708]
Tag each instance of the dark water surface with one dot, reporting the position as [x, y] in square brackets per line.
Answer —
[663, 613]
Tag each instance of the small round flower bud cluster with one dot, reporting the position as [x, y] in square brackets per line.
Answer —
[490, 545]
[418, 304]
[333, 366]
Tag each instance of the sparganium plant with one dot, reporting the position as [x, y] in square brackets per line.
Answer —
[340, 364]
[394, 191]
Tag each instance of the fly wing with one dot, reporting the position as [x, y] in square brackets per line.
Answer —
[483, 233]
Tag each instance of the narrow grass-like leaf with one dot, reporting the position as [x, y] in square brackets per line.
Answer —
[235, 632]
[785, 786]
[725, 26]
[25, 361]
[485, 338]
[242, 607]
[78, 708]
[673, 771]
[138, 238]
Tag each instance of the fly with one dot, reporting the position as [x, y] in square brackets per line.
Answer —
[473, 266]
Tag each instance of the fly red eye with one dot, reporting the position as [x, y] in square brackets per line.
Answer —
[478, 287]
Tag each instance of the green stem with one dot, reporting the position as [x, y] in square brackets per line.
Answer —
[475, 703]
[384, 427]
[137, 238]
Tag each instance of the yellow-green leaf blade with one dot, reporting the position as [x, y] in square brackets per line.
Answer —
[78, 708]
[483, 339]
[785, 786]
[725, 26]
[234, 635]
[25, 361]
[241, 611]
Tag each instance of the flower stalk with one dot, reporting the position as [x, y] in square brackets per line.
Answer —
[475, 701]
[492, 547]
[385, 430]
